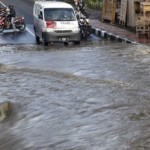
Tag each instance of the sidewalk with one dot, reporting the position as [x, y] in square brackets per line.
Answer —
[105, 30]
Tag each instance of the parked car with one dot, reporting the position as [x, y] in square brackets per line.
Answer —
[55, 22]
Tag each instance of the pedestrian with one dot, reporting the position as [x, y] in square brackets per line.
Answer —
[12, 15]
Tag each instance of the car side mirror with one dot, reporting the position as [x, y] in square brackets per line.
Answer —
[40, 16]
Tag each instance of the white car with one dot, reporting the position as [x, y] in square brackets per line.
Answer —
[55, 22]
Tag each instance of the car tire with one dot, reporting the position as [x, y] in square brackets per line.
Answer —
[37, 39]
[77, 42]
[45, 43]
[66, 43]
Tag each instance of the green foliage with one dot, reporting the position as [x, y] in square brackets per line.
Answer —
[68, 1]
[94, 4]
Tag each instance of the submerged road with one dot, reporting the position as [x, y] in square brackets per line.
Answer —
[92, 97]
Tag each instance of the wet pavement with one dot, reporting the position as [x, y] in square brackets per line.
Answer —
[118, 31]
[11, 37]
[89, 97]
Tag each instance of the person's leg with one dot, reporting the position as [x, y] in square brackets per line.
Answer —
[12, 22]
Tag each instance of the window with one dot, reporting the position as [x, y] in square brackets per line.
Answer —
[41, 15]
[59, 14]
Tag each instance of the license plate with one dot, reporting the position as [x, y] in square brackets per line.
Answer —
[65, 22]
[63, 39]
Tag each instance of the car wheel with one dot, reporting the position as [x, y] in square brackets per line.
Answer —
[77, 42]
[45, 43]
[37, 39]
[66, 43]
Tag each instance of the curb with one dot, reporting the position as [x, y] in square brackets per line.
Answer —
[107, 35]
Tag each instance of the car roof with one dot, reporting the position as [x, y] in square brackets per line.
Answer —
[53, 4]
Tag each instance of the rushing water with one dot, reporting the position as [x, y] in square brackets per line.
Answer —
[93, 97]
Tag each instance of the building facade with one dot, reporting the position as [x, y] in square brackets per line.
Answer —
[125, 12]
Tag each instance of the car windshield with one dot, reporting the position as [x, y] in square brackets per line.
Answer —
[59, 14]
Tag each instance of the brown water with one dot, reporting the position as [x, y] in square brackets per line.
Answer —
[76, 98]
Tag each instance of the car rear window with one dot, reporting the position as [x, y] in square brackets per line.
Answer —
[59, 14]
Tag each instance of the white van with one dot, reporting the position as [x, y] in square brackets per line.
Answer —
[55, 21]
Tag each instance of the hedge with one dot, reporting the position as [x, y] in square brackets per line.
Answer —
[94, 4]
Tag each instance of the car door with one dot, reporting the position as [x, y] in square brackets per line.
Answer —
[40, 24]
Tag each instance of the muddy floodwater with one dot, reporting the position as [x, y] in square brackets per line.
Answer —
[88, 97]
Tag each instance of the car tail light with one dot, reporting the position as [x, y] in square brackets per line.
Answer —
[50, 24]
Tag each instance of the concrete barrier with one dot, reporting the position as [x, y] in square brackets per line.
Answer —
[104, 34]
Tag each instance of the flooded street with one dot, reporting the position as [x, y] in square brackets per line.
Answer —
[93, 97]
